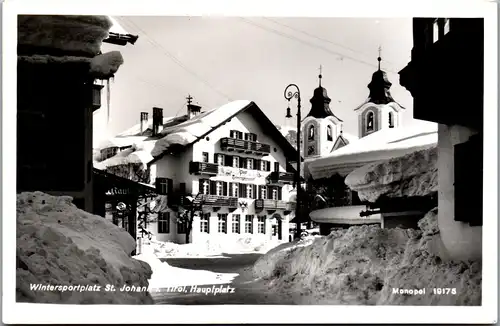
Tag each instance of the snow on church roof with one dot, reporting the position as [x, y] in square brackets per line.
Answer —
[381, 145]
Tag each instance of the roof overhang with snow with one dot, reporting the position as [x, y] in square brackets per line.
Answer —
[196, 129]
[381, 145]
[344, 215]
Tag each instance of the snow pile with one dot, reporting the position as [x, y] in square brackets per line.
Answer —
[76, 34]
[59, 244]
[362, 265]
[414, 174]
[105, 65]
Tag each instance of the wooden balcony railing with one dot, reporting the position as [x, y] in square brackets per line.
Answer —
[205, 168]
[239, 145]
[280, 178]
[216, 201]
[272, 204]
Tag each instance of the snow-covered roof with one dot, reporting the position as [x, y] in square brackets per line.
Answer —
[116, 27]
[136, 129]
[193, 129]
[381, 145]
[349, 137]
[121, 141]
[414, 174]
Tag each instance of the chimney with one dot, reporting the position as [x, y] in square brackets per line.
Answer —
[193, 110]
[157, 120]
[144, 121]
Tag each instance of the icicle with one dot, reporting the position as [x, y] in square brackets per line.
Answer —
[108, 100]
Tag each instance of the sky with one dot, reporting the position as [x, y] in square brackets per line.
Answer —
[220, 59]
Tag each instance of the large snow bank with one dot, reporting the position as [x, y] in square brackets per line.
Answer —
[81, 34]
[59, 244]
[414, 174]
[362, 265]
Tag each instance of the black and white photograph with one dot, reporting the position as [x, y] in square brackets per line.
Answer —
[244, 165]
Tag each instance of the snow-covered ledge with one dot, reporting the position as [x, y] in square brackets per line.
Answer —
[410, 175]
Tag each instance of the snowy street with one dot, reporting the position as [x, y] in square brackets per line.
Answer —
[246, 289]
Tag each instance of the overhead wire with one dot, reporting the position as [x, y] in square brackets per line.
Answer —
[172, 57]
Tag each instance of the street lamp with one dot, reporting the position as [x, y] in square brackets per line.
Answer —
[289, 94]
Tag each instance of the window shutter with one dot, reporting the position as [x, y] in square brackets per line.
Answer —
[242, 162]
[254, 136]
[230, 189]
[212, 188]
[208, 223]
[260, 193]
[246, 136]
[215, 157]
[243, 190]
[170, 186]
[224, 188]
[257, 164]
[228, 160]
[157, 185]
[268, 165]
[231, 133]
[279, 192]
[276, 166]
[254, 191]
[240, 135]
[200, 188]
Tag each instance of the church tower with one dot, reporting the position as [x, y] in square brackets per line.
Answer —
[380, 110]
[321, 127]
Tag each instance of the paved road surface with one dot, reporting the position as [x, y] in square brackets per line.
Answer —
[246, 289]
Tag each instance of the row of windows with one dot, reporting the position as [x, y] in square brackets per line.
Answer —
[239, 135]
[239, 190]
[164, 224]
[240, 162]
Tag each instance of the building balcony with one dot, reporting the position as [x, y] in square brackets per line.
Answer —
[215, 201]
[244, 146]
[272, 205]
[203, 168]
[280, 178]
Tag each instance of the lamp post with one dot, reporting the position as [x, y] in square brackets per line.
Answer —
[289, 94]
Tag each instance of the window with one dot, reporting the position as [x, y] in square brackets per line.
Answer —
[263, 165]
[263, 192]
[446, 27]
[391, 120]
[234, 190]
[109, 152]
[164, 222]
[205, 157]
[249, 163]
[276, 166]
[236, 162]
[249, 191]
[329, 133]
[235, 225]
[251, 137]
[236, 134]
[162, 186]
[205, 187]
[204, 225]
[219, 159]
[275, 193]
[248, 223]
[369, 121]
[310, 135]
[435, 31]
[261, 224]
[219, 188]
[222, 226]
[181, 228]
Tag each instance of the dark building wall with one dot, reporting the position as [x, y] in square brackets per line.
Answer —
[54, 130]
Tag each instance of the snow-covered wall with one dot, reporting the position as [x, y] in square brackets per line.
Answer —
[461, 240]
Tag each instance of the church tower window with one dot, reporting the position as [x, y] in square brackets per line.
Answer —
[310, 134]
[391, 120]
[369, 121]
[329, 134]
